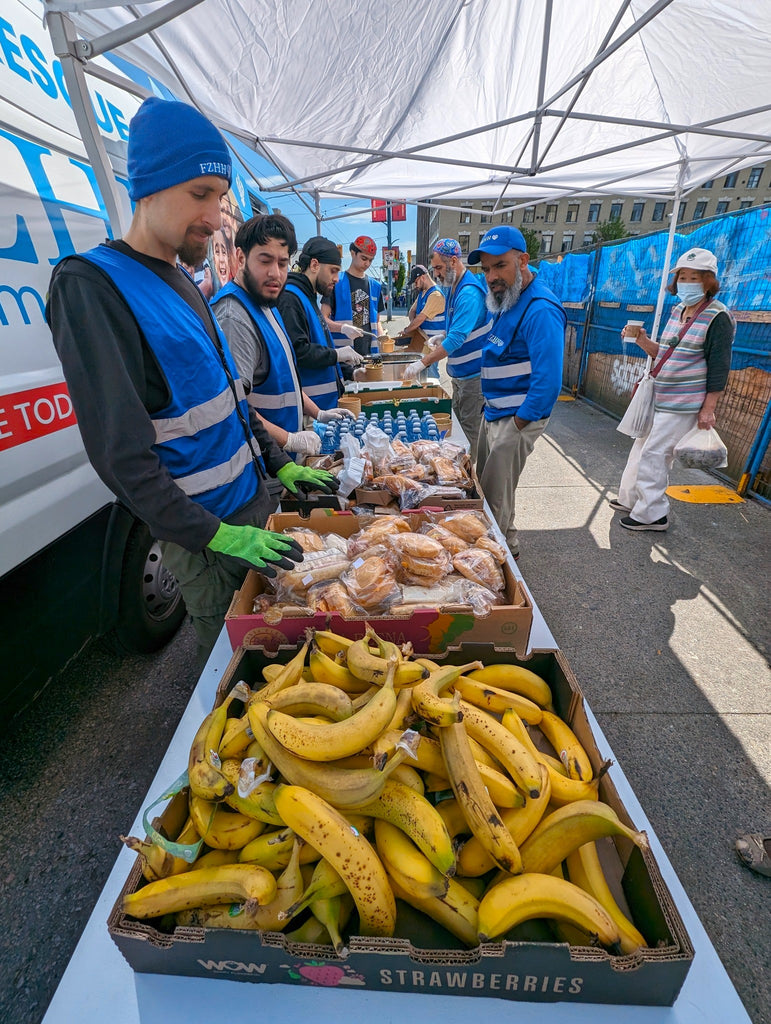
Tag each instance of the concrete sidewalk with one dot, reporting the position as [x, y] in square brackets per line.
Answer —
[667, 634]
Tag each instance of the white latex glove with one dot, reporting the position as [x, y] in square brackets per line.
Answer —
[330, 415]
[351, 332]
[434, 340]
[414, 370]
[347, 354]
[304, 442]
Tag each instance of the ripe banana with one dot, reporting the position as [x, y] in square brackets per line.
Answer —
[332, 644]
[324, 828]
[214, 858]
[419, 819]
[333, 913]
[513, 755]
[531, 895]
[222, 828]
[310, 931]
[399, 773]
[563, 789]
[585, 870]
[291, 673]
[569, 827]
[474, 860]
[236, 738]
[326, 670]
[313, 699]
[372, 668]
[457, 910]
[405, 863]
[567, 746]
[325, 884]
[318, 741]
[518, 679]
[229, 883]
[441, 711]
[273, 850]
[157, 862]
[474, 800]
[491, 698]
[203, 767]
[454, 819]
[501, 789]
[259, 803]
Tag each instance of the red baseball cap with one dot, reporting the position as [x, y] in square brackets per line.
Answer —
[366, 245]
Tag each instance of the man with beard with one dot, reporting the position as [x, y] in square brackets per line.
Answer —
[258, 339]
[159, 402]
[521, 368]
[466, 324]
[318, 361]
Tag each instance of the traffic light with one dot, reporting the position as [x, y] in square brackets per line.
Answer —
[340, 249]
[409, 257]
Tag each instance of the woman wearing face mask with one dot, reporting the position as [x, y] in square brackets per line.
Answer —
[687, 387]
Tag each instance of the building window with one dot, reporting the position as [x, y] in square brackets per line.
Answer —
[506, 216]
[551, 213]
[701, 209]
[615, 211]
[754, 179]
[594, 212]
[745, 203]
[528, 215]
[658, 211]
[465, 214]
[486, 218]
[464, 243]
[730, 180]
[722, 207]
[572, 215]
[708, 184]
[589, 238]
[546, 241]
[481, 236]
[567, 243]
[637, 211]
[681, 212]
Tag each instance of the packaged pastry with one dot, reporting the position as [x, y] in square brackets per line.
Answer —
[450, 541]
[480, 567]
[422, 556]
[333, 597]
[423, 450]
[449, 473]
[376, 532]
[469, 525]
[396, 484]
[371, 583]
[498, 551]
[316, 567]
[308, 540]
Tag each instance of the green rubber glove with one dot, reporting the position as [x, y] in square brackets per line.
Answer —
[293, 476]
[256, 548]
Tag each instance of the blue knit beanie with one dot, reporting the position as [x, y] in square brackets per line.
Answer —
[171, 142]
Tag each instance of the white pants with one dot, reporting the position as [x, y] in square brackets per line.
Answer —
[646, 475]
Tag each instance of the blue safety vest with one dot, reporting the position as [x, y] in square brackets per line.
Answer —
[506, 366]
[199, 436]
[466, 361]
[279, 399]
[438, 324]
[344, 306]
[323, 385]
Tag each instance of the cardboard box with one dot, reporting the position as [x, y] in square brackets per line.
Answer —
[428, 629]
[423, 958]
[430, 398]
[370, 496]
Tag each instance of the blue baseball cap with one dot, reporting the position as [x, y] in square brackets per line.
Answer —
[497, 241]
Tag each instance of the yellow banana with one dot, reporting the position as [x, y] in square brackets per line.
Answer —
[457, 910]
[326, 670]
[402, 716]
[313, 699]
[474, 800]
[429, 705]
[157, 862]
[272, 671]
[399, 773]
[214, 858]
[273, 850]
[532, 895]
[259, 803]
[473, 859]
[330, 643]
[333, 913]
[491, 698]
[310, 931]
[373, 668]
[330, 741]
[585, 870]
[502, 790]
[476, 886]
[236, 738]
[414, 815]
[567, 745]
[325, 883]
[361, 699]
[569, 827]
[228, 883]
[405, 863]
[326, 830]
[513, 755]
[220, 827]
[517, 679]
[292, 673]
[203, 767]
[563, 789]
[454, 819]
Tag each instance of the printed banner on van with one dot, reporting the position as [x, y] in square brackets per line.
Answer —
[26, 415]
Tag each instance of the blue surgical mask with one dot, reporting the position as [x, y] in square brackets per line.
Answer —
[690, 292]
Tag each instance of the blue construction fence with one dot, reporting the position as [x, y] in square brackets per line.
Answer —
[604, 287]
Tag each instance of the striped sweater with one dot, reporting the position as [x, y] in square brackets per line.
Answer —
[681, 384]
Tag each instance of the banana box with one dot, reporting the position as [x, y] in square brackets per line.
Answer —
[429, 629]
[394, 397]
[534, 962]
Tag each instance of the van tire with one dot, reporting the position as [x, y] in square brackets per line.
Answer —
[151, 607]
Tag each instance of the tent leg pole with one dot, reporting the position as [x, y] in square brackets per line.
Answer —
[668, 253]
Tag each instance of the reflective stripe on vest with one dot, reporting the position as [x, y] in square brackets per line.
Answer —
[278, 398]
[466, 361]
[200, 438]
[320, 384]
[344, 305]
[438, 324]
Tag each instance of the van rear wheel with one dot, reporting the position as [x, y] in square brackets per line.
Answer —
[151, 606]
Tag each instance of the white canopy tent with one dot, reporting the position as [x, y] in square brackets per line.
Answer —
[520, 99]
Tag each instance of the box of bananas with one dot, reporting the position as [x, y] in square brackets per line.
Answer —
[353, 814]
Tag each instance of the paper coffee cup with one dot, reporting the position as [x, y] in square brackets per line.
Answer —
[633, 328]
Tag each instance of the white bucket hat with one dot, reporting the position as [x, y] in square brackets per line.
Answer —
[697, 259]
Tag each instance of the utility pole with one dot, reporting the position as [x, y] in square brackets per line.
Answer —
[390, 265]
[318, 212]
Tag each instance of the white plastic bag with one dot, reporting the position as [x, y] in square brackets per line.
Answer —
[702, 449]
[638, 418]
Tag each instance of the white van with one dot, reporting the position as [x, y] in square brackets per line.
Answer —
[74, 563]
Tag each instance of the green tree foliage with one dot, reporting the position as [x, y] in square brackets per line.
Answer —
[533, 243]
[401, 273]
[607, 230]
